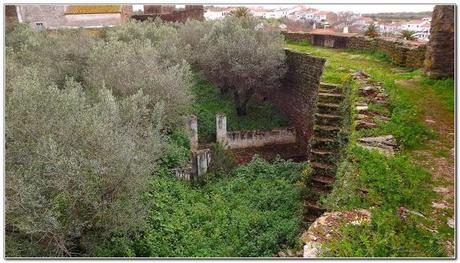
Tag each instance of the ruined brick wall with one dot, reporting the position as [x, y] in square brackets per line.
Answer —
[158, 9]
[296, 97]
[192, 12]
[259, 138]
[440, 61]
[359, 42]
[401, 53]
[416, 56]
[394, 50]
[10, 14]
[297, 36]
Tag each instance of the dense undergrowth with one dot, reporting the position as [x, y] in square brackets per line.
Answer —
[209, 101]
[397, 192]
[249, 212]
[94, 125]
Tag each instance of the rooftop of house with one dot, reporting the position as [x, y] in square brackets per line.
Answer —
[330, 32]
[323, 13]
[416, 22]
[219, 8]
[93, 9]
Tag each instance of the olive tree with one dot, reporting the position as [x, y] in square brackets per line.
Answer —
[127, 68]
[163, 36]
[243, 57]
[59, 54]
[190, 34]
[75, 168]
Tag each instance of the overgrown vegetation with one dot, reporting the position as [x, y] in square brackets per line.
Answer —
[242, 58]
[404, 123]
[209, 101]
[249, 213]
[371, 30]
[397, 192]
[408, 34]
[443, 89]
[93, 128]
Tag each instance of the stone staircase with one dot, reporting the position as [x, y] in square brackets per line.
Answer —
[325, 147]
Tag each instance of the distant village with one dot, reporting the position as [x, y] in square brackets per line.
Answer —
[294, 19]
[307, 19]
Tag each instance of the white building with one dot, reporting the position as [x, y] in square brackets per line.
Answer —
[414, 25]
[420, 27]
[321, 16]
[217, 13]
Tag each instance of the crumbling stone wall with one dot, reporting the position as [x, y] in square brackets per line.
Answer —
[416, 56]
[10, 14]
[440, 61]
[158, 9]
[297, 36]
[192, 12]
[401, 53]
[297, 95]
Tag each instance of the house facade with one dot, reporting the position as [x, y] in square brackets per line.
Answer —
[42, 17]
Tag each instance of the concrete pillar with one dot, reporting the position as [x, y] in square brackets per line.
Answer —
[221, 128]
[192, 127]
[202, 161]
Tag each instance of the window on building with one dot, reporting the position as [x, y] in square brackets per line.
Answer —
[39, 26]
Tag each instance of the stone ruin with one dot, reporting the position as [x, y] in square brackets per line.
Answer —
[170, 13]
[440, 59]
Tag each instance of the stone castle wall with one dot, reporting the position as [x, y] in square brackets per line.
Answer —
[297, 95]
[401, 53]
[440, 56]
[192, 12]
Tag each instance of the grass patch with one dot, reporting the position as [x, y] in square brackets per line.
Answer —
[404, 123]
[370, 180]
[209, 101]
[367, 179]
[445, 89]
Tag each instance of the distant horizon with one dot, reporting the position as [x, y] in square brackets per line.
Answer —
[356, 8]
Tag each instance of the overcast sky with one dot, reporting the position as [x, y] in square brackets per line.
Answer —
[356, 8]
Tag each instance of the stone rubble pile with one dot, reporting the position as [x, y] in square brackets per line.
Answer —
[372, 93]
[324, 229]
[384, 144]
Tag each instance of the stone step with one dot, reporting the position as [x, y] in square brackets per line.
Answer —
[328, 131]
[312, 208]
[328, 108]
[328, 180]
[329, 97]
[324, 156]
[323, 169]
[323, 188]
[318, 190]
[327, 119]
[325, 143]
[310, 218]
[330, 87]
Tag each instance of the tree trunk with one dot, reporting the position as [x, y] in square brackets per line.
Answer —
[241, 104]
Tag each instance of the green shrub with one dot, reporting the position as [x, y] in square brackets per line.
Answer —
[127, 68]
[223, 160]
[58, 55]
[242, 58]
[75, 168]
[251, 213]
[209, 101]
[162, 36]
